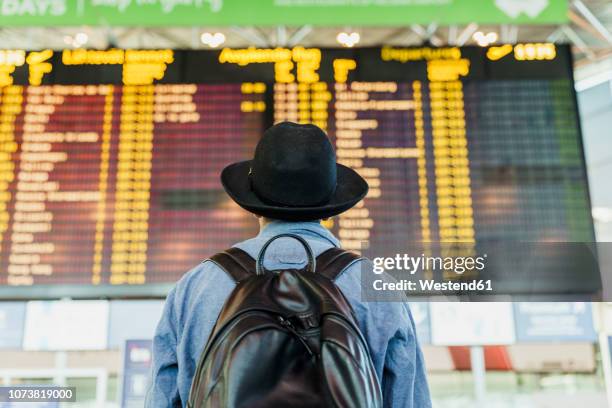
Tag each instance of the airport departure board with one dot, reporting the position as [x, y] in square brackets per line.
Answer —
[110, 159]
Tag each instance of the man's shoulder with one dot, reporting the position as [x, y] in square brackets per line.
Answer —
[208, 282]
[205, 276]
[352, 286]
[208, 272]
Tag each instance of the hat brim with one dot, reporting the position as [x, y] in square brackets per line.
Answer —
[350, 189]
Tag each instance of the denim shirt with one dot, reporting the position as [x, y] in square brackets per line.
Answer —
[193, 305]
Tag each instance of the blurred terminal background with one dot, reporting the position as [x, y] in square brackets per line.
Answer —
[109, 164]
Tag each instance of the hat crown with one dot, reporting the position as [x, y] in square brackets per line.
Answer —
[294, 165]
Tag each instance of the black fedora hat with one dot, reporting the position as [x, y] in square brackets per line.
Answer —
[293, 176]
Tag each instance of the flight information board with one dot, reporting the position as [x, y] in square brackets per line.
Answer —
[110, 159]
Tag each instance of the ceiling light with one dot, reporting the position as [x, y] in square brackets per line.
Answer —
[81, 38]
[483, 39]
[213, 40]
[348, 39]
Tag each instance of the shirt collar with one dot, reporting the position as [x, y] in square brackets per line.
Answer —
[308, 229]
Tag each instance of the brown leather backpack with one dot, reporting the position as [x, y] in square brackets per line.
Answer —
[286, 338]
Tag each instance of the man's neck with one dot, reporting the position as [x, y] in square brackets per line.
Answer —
[263, 222]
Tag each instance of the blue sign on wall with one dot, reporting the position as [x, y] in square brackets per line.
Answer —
[12, 318]
[554, 322]
[136, 366]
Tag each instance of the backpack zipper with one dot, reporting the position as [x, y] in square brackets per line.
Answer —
[291, 328]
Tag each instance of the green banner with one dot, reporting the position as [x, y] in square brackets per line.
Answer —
[278, 12]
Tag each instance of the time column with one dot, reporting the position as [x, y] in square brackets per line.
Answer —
[11, 100]
[452, 168]
[133, 186]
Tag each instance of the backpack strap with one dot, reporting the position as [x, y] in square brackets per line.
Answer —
[332, 262]
[236, 263]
